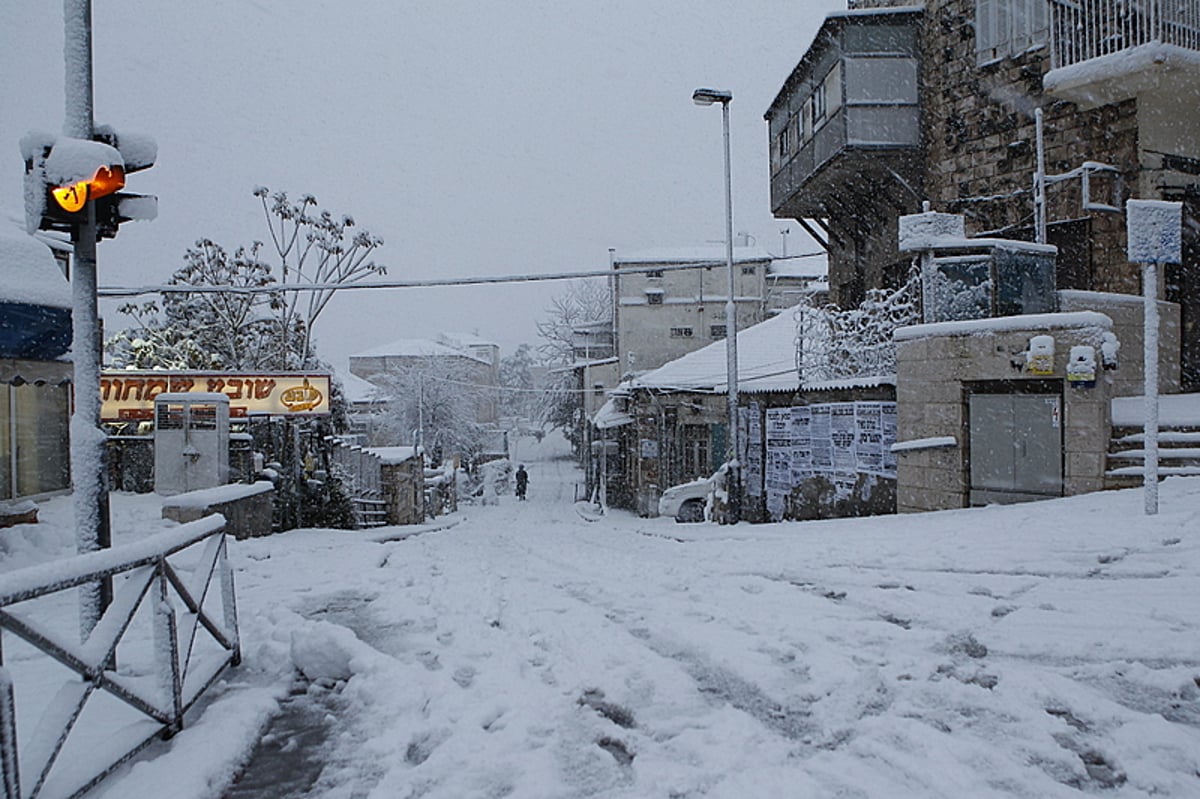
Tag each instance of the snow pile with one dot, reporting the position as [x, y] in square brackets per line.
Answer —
[929, 230]
[29, 273]
[324, 652]
[1155, 231]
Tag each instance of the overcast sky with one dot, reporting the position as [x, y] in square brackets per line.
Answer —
[475, 137]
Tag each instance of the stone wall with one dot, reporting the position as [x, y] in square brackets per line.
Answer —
[248, 508]
[1126, 312]
[935, 369]
[403, 487]
[979, 126]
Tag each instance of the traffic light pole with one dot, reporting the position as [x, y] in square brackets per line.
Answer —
[93, 528]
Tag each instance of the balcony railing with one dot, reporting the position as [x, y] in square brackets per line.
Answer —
[1082, 30]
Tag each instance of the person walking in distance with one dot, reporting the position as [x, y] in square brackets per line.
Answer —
[522, 481]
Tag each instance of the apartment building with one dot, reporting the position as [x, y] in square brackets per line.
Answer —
[893, 105]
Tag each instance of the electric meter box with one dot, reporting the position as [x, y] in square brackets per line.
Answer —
[191, 442]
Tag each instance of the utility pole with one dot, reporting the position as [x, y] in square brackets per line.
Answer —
[93, 528]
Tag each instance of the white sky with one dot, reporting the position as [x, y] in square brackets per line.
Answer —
[474, 137]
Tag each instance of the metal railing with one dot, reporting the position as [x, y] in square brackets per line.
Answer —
[1081, 30]
[167, 636]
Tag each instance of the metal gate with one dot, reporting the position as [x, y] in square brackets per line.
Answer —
[1016, 447]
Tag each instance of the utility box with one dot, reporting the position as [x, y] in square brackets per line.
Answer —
[191, 442]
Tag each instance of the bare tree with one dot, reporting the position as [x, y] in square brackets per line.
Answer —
[584, 302]
[437, 396]
[316, 251]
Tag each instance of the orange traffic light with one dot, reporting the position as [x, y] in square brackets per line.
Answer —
[107, 180]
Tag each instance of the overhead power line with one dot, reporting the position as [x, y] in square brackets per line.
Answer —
[273, 288]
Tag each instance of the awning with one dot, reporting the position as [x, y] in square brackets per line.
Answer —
[609, 416]
[38, 332]
[19, 372]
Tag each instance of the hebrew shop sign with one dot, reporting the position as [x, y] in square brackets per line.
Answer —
[130, 395]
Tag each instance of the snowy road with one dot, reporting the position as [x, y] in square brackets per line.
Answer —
[1041, 650]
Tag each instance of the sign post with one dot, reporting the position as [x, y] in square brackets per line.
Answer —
[1155, 232]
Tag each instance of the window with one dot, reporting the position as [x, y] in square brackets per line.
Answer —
[716, 331]
[785, 140]
[807, 113]
[655, 273]
[681, 332]
[832, 86]
[748, 270]
[1009, 27]
[654, 298]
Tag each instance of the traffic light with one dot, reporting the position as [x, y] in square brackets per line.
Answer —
[62, 175]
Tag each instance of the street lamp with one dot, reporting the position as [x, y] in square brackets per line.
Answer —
[734, 483]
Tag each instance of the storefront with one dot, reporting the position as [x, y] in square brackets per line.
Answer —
[35, 383]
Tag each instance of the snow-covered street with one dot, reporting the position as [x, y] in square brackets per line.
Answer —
[1036, 650]
[1031, 650]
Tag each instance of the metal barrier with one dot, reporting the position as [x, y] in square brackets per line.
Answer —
[130, 682]
[1081, 30]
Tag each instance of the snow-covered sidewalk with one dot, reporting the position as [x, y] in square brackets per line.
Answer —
[1034, 650]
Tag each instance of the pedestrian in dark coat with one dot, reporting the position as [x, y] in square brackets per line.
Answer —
[522, 481]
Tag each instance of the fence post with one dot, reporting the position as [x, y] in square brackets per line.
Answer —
[229, 601]
[8, 737]
[166, 644]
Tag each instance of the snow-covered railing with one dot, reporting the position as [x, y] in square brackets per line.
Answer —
[71, 713]
[1081, 30]
[834, 344]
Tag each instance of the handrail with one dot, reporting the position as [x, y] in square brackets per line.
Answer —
[1082, 30]
[184, 600]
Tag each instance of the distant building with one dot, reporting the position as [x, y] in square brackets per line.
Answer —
[472, 358]
[662, 315]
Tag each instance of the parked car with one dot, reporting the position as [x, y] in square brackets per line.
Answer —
[687, 502]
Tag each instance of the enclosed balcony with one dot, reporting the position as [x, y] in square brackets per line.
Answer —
[847, 119]
[1106, 51]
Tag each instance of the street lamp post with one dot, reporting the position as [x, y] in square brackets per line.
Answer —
[709, 97]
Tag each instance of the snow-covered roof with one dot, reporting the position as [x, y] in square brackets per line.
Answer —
[812, 267]
[686, 255]
[414, 348]
[358, 390]
[28, 272]
[766, 362]
[391, 456]
[465, 340]
[610, 416]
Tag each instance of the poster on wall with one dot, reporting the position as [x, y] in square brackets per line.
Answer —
[887, 426]
[752, 476]
[778, 473]
[802, 456]
[842, 435]
[868, 443]
[822, 452]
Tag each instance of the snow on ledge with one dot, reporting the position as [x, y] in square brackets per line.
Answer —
[935, 442]
[1174, 410]
[207, 497]
[390, 456]
[1003, 324]
[1124, 62]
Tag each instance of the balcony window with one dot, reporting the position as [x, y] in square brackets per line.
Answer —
[1006, 28]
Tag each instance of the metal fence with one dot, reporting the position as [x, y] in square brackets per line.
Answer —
[361, 472]
[834, 345]
[71, 713]
[1081, 30]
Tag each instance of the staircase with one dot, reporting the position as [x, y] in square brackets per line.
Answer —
[1178, 440]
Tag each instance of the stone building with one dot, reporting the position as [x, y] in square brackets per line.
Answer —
[894, 104]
